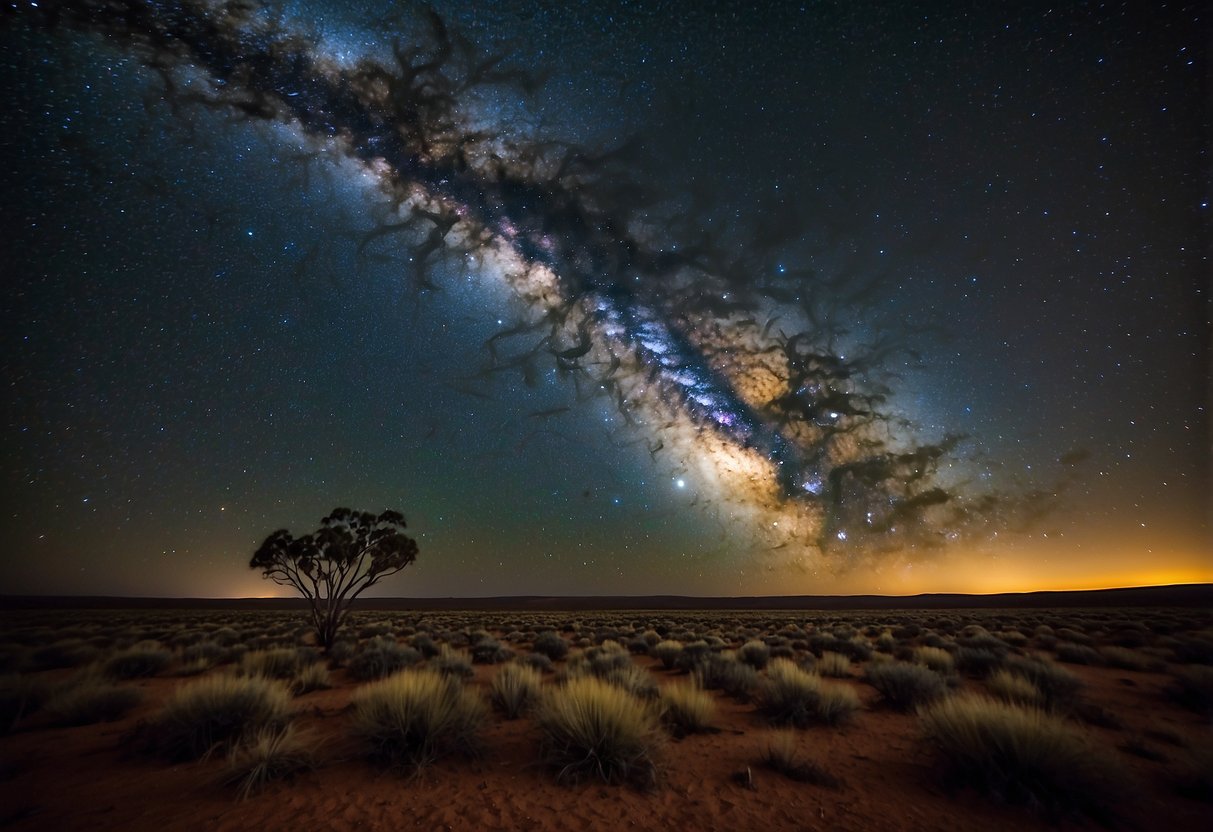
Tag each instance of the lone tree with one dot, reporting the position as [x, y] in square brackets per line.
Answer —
[351, 551]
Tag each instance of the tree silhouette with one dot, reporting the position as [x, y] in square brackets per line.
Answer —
[332, 566]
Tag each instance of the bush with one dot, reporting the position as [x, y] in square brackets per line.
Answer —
[490, 651]
[791, 696]
[415, 717]
[838, 704]
[273, 754]
[314, 676]
[667, 652]
[754, 653]
[216, 711]
[723, 672]
[976, 661]
[1015, 689]
[783, 755]
[1077, 653]
[424, 644]
[686, 708]
[538, 661]
[69, 652]
[1058, 686]
[835, 665]
[278, 663]
[452, 663]
[90, 698]
[550, 644]
[382, 656]
[936, 659]
[515, 689]
[593, 729]
[905, 686]
[137, 662]
[1022, 755]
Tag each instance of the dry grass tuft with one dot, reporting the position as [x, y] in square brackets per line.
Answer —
[783, 755]
[515, 689]
[686, 708]
[272, 754]
[215, 711]
[415, 717]
[1022, 755]
[594, 729]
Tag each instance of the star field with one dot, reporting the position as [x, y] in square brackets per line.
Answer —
[209, 335]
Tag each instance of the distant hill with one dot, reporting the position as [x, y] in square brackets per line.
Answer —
[1179, 595]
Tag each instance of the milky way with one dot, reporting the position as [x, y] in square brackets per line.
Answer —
[759, 376]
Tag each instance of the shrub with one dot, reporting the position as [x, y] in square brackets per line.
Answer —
[783, 755]
[216, 711]
[90, 698]
[905, 686]
[593, 729]
[693, 656]
[754, 653]
[382, 656]
[1058, 686]
[551, 644]
[1077, 653]
[538, 661]
[515, 689]
[723, 672]
[976, 661]
[278, 663]
[935, 658]
[424, 644]
[452, 663]
[490, 651]
[838, 704]
[667, 652]
[208, 651]
[415, 717]
[137, 662]
[273, 754]
[310, 677]
[835, 665]
[69, 652]
[1013, 688]
[1021, 755]
[686, 708]
[791, 696]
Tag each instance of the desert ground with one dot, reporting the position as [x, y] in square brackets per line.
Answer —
[88, 698]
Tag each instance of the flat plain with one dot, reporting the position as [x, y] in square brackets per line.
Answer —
[725, 719]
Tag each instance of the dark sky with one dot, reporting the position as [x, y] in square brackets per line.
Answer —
[987, 221]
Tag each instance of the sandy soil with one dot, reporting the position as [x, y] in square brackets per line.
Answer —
[86, 779]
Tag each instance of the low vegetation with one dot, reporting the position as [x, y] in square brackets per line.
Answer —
[593, 729]
[515, 689]
[1022, 755]
[905, 686]
[215, 712]
[274, 753]
[414, 717]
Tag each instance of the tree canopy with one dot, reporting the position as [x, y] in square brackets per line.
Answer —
[332, 566]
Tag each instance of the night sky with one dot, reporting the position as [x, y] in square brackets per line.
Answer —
[674, 298]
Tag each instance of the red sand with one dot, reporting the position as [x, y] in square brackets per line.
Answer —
[84, 779]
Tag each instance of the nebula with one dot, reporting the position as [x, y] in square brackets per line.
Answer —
[758, 377]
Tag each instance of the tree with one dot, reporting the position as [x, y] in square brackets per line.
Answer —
[350, 552]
